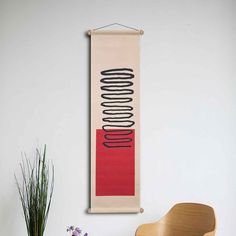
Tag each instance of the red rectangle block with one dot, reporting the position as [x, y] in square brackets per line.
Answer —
[115, 166]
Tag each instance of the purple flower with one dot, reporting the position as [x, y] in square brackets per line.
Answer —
[78, 230]
[70, 228]
[75, 233]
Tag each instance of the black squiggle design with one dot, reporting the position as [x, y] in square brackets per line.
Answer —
[117, 113]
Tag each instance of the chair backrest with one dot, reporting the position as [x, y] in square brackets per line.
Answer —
[184, 219]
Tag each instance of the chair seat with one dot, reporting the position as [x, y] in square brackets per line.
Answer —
[184, 219]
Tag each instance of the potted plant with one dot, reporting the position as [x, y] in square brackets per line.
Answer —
[36, 192]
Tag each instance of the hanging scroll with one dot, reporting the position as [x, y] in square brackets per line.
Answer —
[115, 183]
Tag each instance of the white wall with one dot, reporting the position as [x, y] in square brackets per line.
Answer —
[188, 98]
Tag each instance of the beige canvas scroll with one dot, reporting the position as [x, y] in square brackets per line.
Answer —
[115, 153]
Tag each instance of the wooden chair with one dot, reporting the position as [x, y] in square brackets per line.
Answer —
[183, 219]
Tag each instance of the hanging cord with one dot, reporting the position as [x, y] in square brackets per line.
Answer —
[105, 26]
[125, 26]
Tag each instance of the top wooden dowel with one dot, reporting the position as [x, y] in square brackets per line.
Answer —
[115, 32]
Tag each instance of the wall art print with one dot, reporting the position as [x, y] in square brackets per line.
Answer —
[115, 61]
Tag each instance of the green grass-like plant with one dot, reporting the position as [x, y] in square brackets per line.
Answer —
[36, 192]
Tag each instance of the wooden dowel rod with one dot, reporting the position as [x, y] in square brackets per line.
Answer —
[115, 32]
[115, 210]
